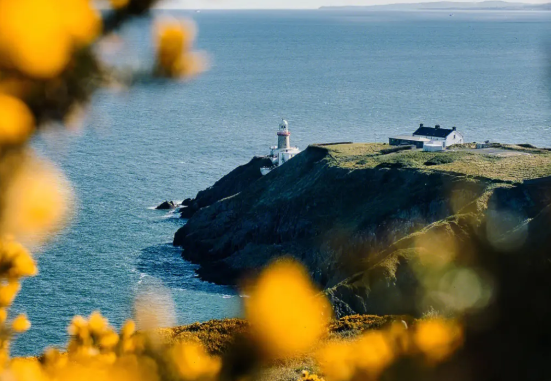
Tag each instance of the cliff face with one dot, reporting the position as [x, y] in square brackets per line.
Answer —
[329, 216]
[233, 183]
[506, 235]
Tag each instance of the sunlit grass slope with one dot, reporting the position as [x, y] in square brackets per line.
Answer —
[503, 162]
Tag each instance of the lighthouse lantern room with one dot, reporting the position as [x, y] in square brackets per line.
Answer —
[283, 151]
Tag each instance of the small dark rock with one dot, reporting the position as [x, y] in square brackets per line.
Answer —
[186, 202]
[166, 205]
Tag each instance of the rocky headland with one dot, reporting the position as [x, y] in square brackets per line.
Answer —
[361, 216]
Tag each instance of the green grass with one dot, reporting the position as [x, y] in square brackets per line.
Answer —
[530, 163]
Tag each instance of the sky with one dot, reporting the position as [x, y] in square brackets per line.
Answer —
[290, 4]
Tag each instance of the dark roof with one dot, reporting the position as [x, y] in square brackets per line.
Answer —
[435, 132]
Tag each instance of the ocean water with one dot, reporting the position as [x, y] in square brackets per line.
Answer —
[336, 76]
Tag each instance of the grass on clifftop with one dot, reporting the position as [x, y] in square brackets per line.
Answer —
[218, 336]
[509, 163]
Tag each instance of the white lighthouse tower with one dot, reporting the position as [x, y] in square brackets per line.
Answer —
[283, 151]
[283, 141]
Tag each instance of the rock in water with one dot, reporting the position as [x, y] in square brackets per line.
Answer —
[166, 205]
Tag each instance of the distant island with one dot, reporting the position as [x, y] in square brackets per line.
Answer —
[448, 6]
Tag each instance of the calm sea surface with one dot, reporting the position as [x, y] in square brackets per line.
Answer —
[334, 75]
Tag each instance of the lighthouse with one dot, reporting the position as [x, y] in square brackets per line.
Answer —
[283, 151]
[283, 141]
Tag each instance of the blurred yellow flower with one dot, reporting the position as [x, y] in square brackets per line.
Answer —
[33, 37]
[128, 328]
[373, 352]
[336, 360]
[134, 368]
[97, 323]
[21, 323]
[16, 120]
[8, 291]
[438, 338]
[193, 362]
[109, 340]
[286, 313]
[36, 202]
[16, 260]
[174, 55]
[191, 64]
[25, 369]
[364, 358]
[77, 323]
[82, 21]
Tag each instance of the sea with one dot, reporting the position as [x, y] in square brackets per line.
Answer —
[343, 75]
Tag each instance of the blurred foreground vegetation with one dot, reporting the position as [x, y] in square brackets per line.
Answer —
[49, 68]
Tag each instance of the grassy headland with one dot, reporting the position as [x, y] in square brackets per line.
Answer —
[503, 162]
[359, 216]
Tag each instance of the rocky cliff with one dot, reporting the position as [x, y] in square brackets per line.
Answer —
[338, 207]
[231, 184]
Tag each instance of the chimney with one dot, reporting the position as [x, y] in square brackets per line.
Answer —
[437, 126]
[454, 128]
[421, 125]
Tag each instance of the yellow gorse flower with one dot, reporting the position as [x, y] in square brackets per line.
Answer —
[8, 291]
[21, 323]
[16, 120]
[37, 201]
[286, 313]
[16, 260]
[174, 55]
[438, 338]
[37, 37]
[193, 362]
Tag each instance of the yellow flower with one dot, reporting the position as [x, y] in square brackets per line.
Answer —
[16, 120]
[134, 368]
[21, 323]
[36, 201]
[97, 323]
[27, 369]
[76, 325]
[373, 352]
[174, 58]
[190, 64]
[438, 338]
[128, 328]
[285, 311]
[8, 292]
[81, 20]
[336, 360]
[33, 37]
[193, 362]
[22, 264]
[109, 340]
[3, 315]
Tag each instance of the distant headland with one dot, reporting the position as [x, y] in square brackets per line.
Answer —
[334, 206]
[448, 6]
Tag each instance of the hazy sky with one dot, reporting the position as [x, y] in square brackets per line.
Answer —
[288, 4]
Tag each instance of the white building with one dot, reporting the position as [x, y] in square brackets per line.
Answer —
[283, 151]
[430, 136]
